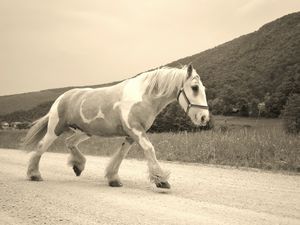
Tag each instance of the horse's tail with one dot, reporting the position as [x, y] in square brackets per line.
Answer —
[36, 132]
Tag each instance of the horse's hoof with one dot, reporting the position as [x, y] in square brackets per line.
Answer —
[165, 185]
[36, 178]
[77, 171]
[115, 183]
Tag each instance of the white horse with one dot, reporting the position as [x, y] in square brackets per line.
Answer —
[126, 109]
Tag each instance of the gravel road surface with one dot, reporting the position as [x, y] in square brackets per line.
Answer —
[201, 194]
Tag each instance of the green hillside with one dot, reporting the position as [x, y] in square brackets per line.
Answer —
[260, 67]
[263, 66]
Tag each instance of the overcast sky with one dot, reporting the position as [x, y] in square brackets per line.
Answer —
[57, 43]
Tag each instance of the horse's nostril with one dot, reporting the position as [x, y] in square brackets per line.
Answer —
[202, 119]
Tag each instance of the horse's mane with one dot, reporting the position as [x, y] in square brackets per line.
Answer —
[164, 81]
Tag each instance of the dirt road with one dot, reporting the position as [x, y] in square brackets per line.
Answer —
[200, 194]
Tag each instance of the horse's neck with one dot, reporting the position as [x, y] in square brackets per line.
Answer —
[135, 89]
[158, 104]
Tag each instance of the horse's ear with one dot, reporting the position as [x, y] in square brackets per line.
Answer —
[189, 70]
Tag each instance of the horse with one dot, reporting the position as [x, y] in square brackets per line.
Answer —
[127, 110]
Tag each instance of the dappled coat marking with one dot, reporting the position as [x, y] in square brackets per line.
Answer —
[127, 109]
[89, 115]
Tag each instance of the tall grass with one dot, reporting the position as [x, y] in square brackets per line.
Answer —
[263, 146]
[266, 149]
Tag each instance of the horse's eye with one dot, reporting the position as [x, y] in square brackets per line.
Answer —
[195, 88]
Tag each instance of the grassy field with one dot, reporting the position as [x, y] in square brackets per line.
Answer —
[240, 142]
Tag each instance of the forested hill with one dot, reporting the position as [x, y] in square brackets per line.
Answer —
[263, 66]
[30, 100]
[260, 67]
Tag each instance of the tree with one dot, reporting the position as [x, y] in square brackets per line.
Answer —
[217, 106]
[243, 107]
[291, 114]
[255, 107]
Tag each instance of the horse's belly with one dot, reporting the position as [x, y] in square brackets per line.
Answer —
[100, 127]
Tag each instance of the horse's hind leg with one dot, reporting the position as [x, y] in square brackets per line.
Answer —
[76, 159]
[112, 168]
[55, 126]
[33, 172]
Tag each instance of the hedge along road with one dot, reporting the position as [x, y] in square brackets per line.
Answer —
[201, 194]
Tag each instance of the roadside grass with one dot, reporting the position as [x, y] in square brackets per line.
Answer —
[239, 142]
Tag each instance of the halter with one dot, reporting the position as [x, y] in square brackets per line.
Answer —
[190, 105]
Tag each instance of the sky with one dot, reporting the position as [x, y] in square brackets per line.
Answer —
[58, 43]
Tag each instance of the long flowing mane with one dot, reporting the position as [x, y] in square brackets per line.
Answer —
[164, 81]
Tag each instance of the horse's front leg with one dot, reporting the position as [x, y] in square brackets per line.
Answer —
[112, 168]
[156, 174]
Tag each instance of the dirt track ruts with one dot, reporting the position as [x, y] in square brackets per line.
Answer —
[200, 194]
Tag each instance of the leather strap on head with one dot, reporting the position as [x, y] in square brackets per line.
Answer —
[190, 105]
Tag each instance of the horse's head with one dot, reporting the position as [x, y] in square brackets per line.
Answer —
[192, 98]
